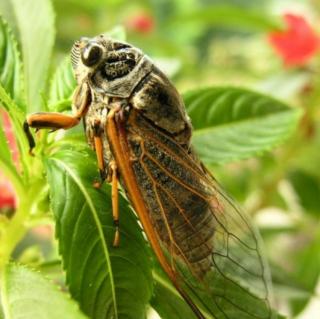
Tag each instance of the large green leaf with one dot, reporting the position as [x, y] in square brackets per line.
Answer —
[35, 21]
[10, 65]
[27, 295]
[230, 16]
[233, 123]
[108, 282]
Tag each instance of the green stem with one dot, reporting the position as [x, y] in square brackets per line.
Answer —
[14, 232]
[17, 227]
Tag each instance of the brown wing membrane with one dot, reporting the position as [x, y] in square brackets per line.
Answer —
[205, 244]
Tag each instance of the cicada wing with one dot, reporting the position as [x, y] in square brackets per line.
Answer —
[220, 262]
[232, 281]
[238, 283]
[209, 243]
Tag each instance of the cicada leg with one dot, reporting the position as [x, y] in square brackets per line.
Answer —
[115, 201]
[98, 146]
[46, 120]
[55, 121]
[111, 177]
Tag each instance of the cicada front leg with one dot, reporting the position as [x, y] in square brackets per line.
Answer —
[113, 178]
[46, 120]
[55, 121]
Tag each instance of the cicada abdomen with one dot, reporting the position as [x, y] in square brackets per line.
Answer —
[137, 124]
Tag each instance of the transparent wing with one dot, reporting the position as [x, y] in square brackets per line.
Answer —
[238, 283]
[209, 242]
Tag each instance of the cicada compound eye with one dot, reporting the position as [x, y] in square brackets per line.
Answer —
[91, 54]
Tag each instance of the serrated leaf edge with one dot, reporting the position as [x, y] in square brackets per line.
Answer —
[56, 288]
[21, 96]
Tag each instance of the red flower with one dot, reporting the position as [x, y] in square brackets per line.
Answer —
[141, 23]
[7, 194]
[298, 43]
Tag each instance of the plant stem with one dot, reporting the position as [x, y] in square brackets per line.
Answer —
[13, 233]
[17, 227]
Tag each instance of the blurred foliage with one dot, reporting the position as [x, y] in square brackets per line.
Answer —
[198, 48]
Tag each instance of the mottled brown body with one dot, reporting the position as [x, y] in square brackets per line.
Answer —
[136, 122]
[158, 134]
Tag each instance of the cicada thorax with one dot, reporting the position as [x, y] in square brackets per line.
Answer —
[160, 103]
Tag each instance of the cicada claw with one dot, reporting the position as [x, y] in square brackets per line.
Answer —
[29, 136]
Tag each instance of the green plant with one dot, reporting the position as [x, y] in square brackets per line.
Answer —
[229, 124]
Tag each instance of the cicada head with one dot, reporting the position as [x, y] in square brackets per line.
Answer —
[109, 66]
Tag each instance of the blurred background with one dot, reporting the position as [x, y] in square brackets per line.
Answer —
[200, 43]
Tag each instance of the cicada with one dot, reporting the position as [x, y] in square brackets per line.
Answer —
[136, 122]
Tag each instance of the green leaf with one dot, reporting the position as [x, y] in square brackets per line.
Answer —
[307, 188]
[233, 123]
[35, 21]
[62, 86]
[28, 295]
[10, 65]
[230, 16]
[107, 281]
[167, 301]
[307, 270]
